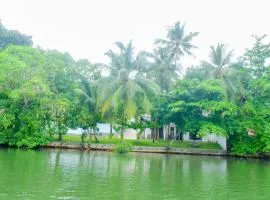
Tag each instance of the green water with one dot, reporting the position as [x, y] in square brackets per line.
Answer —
[60, 174]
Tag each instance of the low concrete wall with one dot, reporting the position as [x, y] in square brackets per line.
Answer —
[172, 150]
[144, 149]
[60, 145]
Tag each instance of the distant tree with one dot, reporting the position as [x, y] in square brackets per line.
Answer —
[165, 66]
[257, 56]
[220, 67]
[178, 43]
[13, 37]
[161, 69]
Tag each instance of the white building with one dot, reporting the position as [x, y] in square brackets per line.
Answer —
[170, 131]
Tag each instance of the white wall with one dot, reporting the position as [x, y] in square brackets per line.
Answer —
[146, 133]
[186, 136]
[75, 131]
[221, 140]
[130, 133]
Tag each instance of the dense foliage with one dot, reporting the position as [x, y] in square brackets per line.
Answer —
[43, 93]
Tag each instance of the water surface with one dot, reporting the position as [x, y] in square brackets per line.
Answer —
[67, 174]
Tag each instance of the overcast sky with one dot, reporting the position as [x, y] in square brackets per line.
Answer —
[87, 29]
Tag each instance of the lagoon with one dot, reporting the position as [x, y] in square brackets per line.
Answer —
[70, 174]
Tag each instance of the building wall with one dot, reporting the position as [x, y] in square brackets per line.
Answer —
[221, 140]
[130, 133]
[186, 136]
[167, 131]
[146, 134]
[103, 129]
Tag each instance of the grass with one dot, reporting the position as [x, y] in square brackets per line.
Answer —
[158, 143]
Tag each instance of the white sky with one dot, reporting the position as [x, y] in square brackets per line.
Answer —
[87, 29]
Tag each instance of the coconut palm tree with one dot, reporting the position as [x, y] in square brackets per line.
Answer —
[161, 69]
[126, 91]
[177, 42]
[88, 97]
[220, 67]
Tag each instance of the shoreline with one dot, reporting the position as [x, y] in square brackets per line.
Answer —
[149, 149]
[159, 150]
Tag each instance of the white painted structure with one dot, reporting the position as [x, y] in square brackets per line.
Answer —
[186, 136]
[170, 132]
[221, 140]
[103, 129]
[146, 133]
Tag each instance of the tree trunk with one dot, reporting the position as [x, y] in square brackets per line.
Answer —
[169, 134]
[60, 137]
[111, 134]
[50, 131]
[95, 136]
[122, 134]
[90, 136]
[82, 139]
[122, 130]
[153, 135]
[60, 134]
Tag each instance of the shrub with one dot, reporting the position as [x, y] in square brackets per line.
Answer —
[122, 148]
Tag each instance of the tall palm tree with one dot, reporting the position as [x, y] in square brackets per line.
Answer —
[220, 67]
[178, 42]
[161, 69]
[126, 91]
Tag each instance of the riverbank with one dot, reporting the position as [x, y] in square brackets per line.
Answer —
[153, 149]
[75, 139]
[141, 149]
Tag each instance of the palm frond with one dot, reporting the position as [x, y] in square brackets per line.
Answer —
[121, 46]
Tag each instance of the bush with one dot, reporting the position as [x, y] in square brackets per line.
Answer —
[122, 148]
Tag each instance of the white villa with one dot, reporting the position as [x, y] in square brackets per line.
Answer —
[170, 131]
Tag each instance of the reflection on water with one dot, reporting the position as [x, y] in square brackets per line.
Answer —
[59, 174]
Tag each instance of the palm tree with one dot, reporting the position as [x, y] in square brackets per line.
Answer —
[177, 42]
[161, 69]
[220, 67]
[126, 91]
[88, 98]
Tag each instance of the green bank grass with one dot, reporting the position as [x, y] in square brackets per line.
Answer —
[76, 139]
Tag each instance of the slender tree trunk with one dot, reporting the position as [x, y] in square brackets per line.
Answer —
[82, 138]
[50, 130]
[155, 131]
[169, 134]
[122, 133]
[95, 136]
[153, 135]
[60, 136]
[111, 134]
[122, 130]
[111, 129]
[90, 136]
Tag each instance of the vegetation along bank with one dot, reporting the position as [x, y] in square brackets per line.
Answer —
[44, 93]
